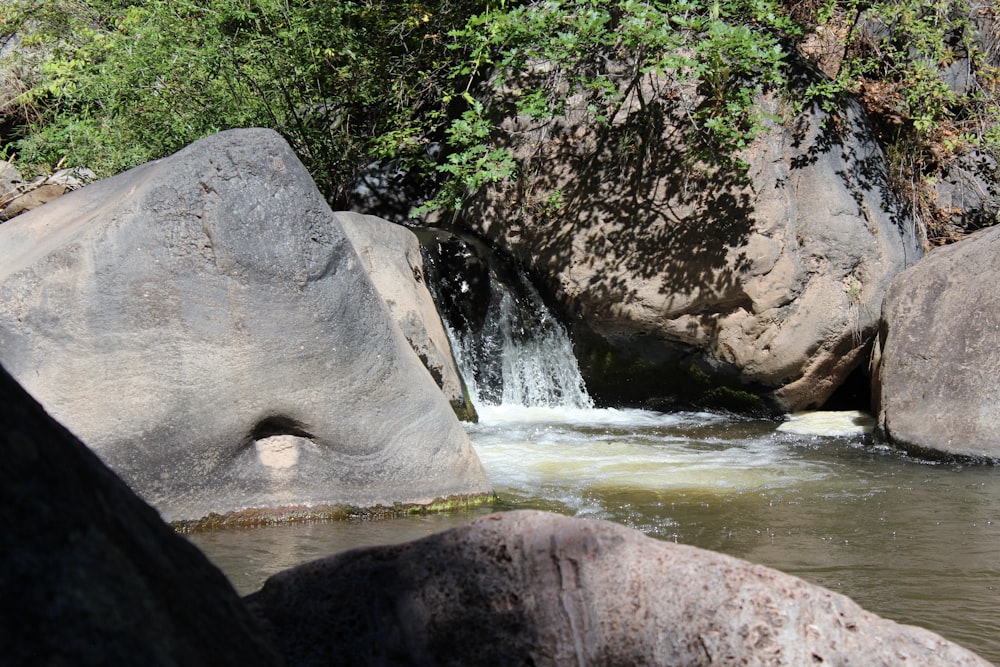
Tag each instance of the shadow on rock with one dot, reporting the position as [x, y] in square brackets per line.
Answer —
[91, 574]
[531, 588]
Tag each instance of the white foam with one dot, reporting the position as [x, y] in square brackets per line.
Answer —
[524, 449]
[508, 414]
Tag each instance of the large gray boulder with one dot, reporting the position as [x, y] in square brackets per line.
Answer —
[936, 383]
[204, 324]
[91, 575]
[684, 279]
[392, 259]
[531, 588]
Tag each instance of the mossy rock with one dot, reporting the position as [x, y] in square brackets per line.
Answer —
[626, 380]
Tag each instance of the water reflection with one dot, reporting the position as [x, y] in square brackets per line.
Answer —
[248, 556]
[912, 541]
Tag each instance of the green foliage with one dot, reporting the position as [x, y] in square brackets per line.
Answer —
[477, 164]
[540, 56]
[113, 83]
[901, 60]
[896, 58]
[125, 82]
[348, 82]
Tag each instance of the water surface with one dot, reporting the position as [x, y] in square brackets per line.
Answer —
[909, 540]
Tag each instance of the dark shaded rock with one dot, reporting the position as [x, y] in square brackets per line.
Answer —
[936, 387]
[204, 324]
[389, 189]
[90, 574]
[530, 588]
[462, 273]
[960, 74]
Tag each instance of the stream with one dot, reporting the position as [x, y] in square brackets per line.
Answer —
[915, 542]
[812, 495]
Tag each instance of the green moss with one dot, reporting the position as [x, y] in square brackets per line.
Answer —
[465, 410]
[267, 516]
[618, 379]
[736, 400]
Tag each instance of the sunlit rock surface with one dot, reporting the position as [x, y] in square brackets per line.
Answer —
[90, 575]
[684, 281]
[392, 259]
[180, 316]
[937, 387]
[530, 588]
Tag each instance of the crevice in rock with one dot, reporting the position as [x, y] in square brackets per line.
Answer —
[278, 425]
[854, 393]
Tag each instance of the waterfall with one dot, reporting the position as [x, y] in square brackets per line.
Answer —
[520, 357]
[509, 348]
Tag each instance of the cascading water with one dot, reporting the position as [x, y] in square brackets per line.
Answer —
[509, 348]
[521, 357]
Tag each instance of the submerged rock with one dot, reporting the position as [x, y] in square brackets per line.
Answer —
[90, 573]
[837, 423]
[180, 316]
[936, 388]
[531, 588]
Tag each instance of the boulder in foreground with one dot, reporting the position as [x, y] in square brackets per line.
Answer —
[532, 588]
[90, 574]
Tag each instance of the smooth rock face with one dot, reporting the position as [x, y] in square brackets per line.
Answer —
[531, 588]
[89, 574]
[391, 257]
[936, 386]
[678, 276]
[176, 315]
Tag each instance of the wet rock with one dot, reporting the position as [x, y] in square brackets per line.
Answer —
[936, 380]
[531, 588]
[462, 274]
[684, 280]
[392, 259]
[91, 574]
[511, 349]
[178, 314]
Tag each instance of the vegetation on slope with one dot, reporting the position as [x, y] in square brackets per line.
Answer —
[109, 84]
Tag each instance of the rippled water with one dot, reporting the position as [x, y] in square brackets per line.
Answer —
[912, 541]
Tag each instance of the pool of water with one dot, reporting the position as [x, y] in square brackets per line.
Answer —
[814, 496]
